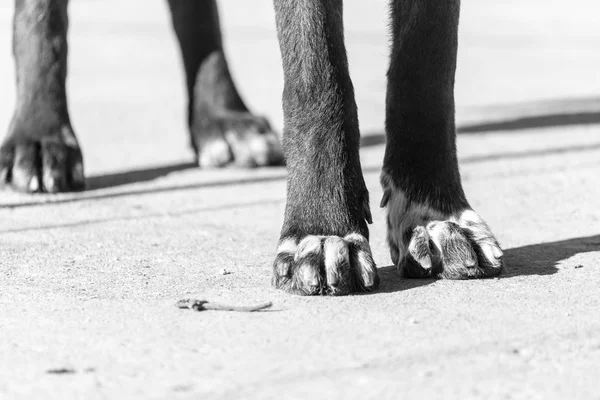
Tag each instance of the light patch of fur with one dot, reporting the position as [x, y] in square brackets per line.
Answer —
[34, 184]
[266, 149]
[254, 148]
[336, 251]
[403, 216]
[419, 247]
[472, 222]
[365, 267]
[337, 259]
[287, 246]
[362, 260]
[468, 216]
[310, 244]
[259, 149]
[362, 249]
[239, 144]
[309, 276]
[348, 264]
[214, 154]
[68, 137]
[358, 240]
[435, 231]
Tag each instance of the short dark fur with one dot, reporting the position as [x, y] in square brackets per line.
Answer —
[420, 157]
[323, 247]
[326, 192]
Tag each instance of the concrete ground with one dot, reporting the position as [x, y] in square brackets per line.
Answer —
[88, 281]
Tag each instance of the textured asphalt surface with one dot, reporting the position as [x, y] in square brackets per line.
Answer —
[88, 281]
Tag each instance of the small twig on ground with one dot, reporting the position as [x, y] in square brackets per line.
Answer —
[60, 371]
[203, 305]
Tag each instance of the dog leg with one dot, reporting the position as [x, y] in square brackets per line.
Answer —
[324, 245]
[222, 129]
[40, 152]
[432, 230]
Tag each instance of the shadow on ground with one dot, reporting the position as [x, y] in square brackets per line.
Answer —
[102, 182]
[544, 258]
[392, 282]
[560, 112]
[374, 139]
[537, 114]
[97, 184]
[135, 176]
[537, 259]
[99, 194]
[105, 181]
[533, 115]
[533, 122]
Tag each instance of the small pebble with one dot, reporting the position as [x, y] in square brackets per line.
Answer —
[426, 374]
[578, 266]
[523, 352]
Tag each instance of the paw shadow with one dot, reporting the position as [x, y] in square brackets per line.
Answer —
[536, 259]
[390, 281]
[544, 258]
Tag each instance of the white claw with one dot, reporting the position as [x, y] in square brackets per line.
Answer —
[34, 184]
[214, 154]
[497, 251]
[491, 252]
[425, 262]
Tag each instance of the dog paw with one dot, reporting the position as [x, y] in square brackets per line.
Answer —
[237, 138]
[325, 265]
[427, 243]
[32, 162]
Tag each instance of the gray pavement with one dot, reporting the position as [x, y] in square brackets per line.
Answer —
[88, 281]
